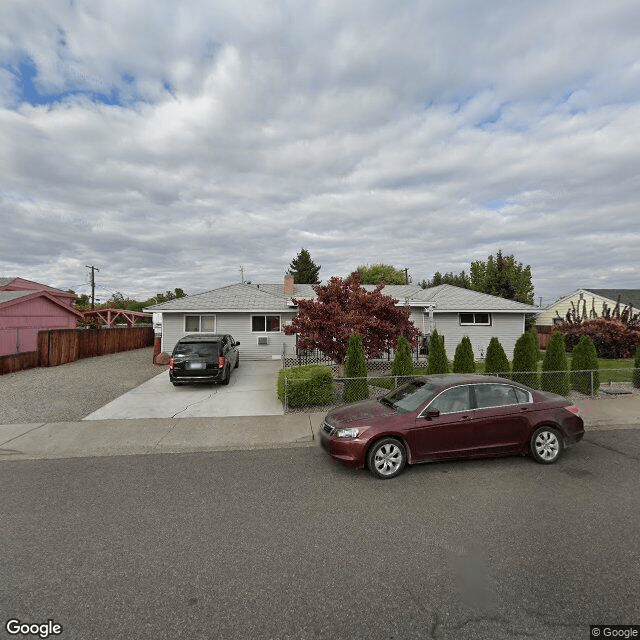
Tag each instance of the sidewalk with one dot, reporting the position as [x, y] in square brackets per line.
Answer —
[181, 435]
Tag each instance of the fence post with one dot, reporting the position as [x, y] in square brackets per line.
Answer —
[591, 376]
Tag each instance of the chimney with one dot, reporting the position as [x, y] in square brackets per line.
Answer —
[288, 284]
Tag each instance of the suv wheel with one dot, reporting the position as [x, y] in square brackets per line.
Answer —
[227, 376]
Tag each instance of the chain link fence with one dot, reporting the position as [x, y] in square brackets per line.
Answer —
[340, 391]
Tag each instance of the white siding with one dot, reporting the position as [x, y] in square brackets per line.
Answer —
[545, 318]
[239, 326]
[507, 327]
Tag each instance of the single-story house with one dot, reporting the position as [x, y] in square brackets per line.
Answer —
[255, 314]
[28, 307]
[589, 301]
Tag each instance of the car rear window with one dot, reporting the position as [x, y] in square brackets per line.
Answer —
[197, 349]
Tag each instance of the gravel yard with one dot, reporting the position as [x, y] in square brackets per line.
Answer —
[72, 391]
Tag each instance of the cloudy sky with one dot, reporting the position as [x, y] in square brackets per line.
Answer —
[171, 143]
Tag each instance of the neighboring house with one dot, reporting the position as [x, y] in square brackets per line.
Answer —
[28, 307]
[591, 300]
[255, 314]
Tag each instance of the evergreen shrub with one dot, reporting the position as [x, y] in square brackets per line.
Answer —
[355, 366]
[555, 367]
[403, 360]
[525, 361]
[464, 360]
[496, 360]
[585, 360]
[438, 362]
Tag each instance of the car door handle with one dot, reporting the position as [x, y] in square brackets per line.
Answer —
[464, 418]
[523, 409]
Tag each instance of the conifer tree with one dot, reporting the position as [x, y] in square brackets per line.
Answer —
[496, 360]
[438, 362]
[463, 360]
[303, 269]
[403, 360]
[584, 367]
[355, 366]
[555, 377]
[525, 361]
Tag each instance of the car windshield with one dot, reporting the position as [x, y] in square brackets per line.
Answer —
[410, 396]
[203, 349]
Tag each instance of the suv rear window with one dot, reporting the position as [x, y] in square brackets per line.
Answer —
[197, 348]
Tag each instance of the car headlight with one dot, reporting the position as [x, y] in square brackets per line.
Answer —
[351, 432]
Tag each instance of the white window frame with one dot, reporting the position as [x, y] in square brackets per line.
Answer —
[200, 316]
[265, 316]
[475, 322]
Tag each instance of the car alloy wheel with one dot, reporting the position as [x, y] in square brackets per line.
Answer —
[387, 458]
[546, 445]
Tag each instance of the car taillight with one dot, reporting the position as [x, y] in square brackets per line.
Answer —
[221, 362]
[171, 363]
[574, 409]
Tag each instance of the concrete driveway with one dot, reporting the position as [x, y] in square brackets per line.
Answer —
[251, 392]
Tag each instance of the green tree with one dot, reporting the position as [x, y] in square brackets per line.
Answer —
[438, 361]
[355, 366]
[464, 360]
[584, 367]
[496, 360]
[403, 360]
[461, 280]
[303, 269]
[555, 377]
[525, 361]
[381, 273]
[502, 276]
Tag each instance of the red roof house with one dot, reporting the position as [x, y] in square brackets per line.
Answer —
[27, 307]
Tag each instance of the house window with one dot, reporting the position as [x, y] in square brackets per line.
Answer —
[265, 323]
[475, 318]
[196, 324]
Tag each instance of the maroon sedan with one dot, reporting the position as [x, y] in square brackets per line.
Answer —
[452, 416]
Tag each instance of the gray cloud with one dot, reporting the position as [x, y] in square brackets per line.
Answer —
[427, 135]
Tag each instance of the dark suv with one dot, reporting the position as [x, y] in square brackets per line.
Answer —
[203, 357]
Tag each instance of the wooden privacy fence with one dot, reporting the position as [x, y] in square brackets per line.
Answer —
[60, 346]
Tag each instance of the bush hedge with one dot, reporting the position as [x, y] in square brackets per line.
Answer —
[636, 370]
[310, 384]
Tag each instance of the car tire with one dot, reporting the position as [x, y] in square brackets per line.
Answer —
[546, 445]
[387, 458]
[237, 364]
[227, 376]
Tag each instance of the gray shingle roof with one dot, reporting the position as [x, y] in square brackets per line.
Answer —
[7, 296]
[271, 297]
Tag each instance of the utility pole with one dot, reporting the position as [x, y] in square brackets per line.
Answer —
[242, 273]
[93, 284]
[406, 275]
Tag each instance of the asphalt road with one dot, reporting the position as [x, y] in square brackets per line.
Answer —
[288, 544]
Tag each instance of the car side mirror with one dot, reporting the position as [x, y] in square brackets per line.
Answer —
[431, 413]
[237, 343]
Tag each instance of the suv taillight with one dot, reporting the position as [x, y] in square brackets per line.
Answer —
[221, 362]
[171, 363]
